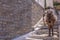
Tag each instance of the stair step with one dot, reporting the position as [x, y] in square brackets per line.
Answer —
[46, 30]
[55, 33]
[43, 36]
[33, 39]
[55, 27]
[42, 39]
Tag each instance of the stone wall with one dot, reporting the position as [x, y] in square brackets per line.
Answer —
[17, 17]
[37, 12]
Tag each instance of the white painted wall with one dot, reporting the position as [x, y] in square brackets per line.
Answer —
[41, 2]
[48, 2]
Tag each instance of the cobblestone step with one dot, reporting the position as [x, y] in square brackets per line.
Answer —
[33, 39]
[42, 34]
[42, 37]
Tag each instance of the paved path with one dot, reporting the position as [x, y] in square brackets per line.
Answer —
[40, 34]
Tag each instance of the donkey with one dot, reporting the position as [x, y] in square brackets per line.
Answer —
[50, 20]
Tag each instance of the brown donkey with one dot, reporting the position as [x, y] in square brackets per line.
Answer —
[50, 20]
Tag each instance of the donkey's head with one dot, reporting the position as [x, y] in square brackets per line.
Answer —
[49, 11]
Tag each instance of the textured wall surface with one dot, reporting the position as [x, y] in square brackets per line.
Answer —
[37, 12]
[17, 17]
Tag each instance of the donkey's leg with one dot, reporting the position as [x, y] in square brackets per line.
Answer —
[49, 32]
[52, 31]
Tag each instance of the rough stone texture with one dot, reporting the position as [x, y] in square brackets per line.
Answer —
[17, 17]
[37, 12]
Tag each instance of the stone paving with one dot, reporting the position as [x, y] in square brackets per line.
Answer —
[42, 33]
